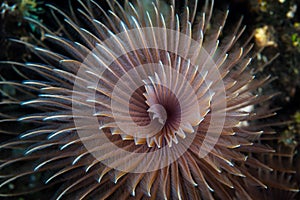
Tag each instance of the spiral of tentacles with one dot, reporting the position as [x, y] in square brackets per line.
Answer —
[150, 92]
[138, 102]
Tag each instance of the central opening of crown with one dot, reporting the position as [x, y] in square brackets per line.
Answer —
[157, 111]
[156, 102]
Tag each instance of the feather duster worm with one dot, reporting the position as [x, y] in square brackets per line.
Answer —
[280, 177]
[139, 102]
